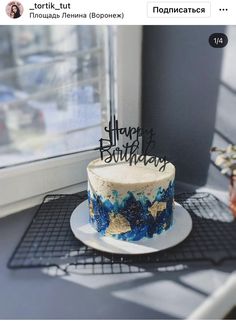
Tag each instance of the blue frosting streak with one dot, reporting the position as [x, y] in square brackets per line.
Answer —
[142, 223]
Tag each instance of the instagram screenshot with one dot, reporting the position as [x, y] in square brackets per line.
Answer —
[117, 160]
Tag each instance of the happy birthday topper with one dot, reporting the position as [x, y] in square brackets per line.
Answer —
[130, 149]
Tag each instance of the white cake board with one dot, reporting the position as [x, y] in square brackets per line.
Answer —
[86, 233]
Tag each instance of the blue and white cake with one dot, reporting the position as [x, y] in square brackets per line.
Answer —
[130, 202]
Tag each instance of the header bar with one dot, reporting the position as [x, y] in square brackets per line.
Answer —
[118, 12]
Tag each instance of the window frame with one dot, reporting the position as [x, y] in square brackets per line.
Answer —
[25, 185]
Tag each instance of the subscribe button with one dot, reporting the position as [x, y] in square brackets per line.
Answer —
[179, 9]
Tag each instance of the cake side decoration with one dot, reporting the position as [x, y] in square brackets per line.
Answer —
[130, 218]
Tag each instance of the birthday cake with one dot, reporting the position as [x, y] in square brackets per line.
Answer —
[130, 202]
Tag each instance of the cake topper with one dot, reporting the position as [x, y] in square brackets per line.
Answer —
[129, 152]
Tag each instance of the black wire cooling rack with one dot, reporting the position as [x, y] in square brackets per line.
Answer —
[48, 241]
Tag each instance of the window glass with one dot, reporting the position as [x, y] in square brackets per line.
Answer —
[54, 90]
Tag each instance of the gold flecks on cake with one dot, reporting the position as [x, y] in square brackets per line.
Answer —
[157, 208]
[91, 211]
[118, 224]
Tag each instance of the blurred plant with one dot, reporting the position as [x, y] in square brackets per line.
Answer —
[226, 159]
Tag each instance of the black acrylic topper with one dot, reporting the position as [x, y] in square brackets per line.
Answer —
[129, 150]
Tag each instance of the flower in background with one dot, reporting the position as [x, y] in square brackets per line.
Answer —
[226, 159]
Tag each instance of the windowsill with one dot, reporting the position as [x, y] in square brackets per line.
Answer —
[18, 206]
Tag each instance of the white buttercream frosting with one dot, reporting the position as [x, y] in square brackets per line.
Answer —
[103, 178]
